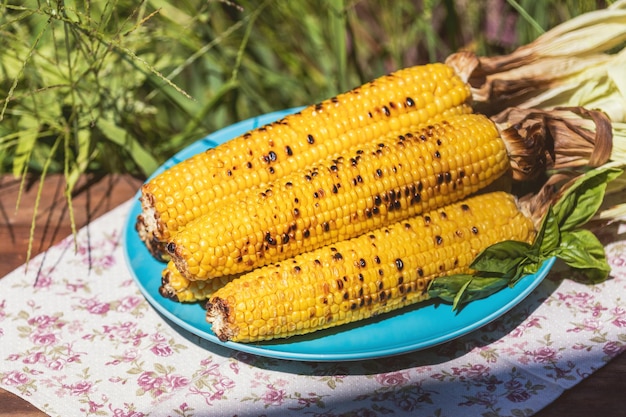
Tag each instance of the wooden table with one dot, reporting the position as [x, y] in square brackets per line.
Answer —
[602, 394]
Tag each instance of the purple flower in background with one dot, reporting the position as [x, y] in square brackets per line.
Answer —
[44, 279]
[477, 371]
[119, 412]
[42, 321]
[620, 317]
[544, 355]
[224, 383]
[43, 339]
[613, 349]
[57, 364]
[518, 396]
[94, 306]
[162, 349]
[176, 381]
[392, 379]
[35, 358]
[128, 303]
[273, 396]
[106, 261]
[83, 387]
[149, 381]
[15, 378]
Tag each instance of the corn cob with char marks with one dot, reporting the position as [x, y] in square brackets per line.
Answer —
[382, 182]
[359, 278]
[392, 103]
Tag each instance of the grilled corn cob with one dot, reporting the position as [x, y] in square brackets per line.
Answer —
[355, 279]
[369, 187]
[394, 102]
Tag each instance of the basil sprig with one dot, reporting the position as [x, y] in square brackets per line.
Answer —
[559, 235]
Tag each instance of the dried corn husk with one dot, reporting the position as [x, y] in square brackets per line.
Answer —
[574, 131]
[579, 64]
[576, 64]
[584, 132]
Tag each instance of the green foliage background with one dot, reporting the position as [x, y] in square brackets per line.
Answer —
[120, 85]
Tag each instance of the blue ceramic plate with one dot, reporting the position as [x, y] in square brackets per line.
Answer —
[392, 334]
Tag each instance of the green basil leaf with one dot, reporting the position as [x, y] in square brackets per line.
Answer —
[529, 268]
[581, 201]
[548, 237]
[448, 287]
[461, 297]
[582, 250]
[481, 287]
[501, 258]
[461, 289]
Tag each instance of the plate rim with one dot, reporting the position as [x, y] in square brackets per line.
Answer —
[527, 283]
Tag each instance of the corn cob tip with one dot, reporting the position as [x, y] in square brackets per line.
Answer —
[166, 290]
[156, 248]
[217, 314]
[148, 225]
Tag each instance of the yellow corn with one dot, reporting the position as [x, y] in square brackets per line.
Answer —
[366, 188]
[178, 288]
[394, 102]
[356, 279]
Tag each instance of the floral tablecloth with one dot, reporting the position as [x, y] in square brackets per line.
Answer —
[77, 338]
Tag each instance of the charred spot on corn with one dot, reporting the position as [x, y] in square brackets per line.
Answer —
[270, 157]
[270, 239]
[399, 264]
[171, 248]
